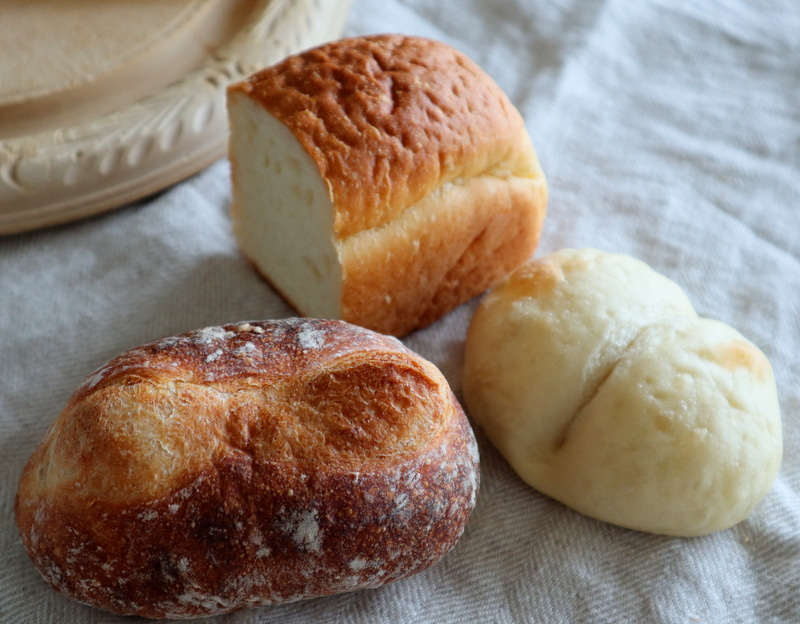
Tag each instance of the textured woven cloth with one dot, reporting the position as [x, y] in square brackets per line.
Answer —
[668, 130]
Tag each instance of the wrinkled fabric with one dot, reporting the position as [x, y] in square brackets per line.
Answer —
[668, 130]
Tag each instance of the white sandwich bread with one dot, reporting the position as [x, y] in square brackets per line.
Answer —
[381, 180]
[595, 378]
[248, 465]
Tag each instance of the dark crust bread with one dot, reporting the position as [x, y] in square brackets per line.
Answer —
[247, 465]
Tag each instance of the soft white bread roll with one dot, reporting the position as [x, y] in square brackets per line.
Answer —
[381, 180]
[594, 377]
[248, 465]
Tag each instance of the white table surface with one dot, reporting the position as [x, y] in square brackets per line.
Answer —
[668, 130]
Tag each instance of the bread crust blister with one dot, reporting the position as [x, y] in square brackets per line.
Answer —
[432, 187]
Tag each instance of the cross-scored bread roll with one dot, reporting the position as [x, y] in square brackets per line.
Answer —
[381, 180]
[595, 378]
[248, 465]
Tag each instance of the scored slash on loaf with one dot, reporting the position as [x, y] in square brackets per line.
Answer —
[381, 180]
[248, 465]
[598, 382]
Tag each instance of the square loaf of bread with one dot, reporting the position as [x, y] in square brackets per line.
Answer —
[381, 180]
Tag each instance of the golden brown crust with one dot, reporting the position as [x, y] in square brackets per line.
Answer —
[400, 277]
[248, 465]
[435, 186]
[388, 119]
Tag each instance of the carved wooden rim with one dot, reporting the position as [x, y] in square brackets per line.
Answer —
[92, 167]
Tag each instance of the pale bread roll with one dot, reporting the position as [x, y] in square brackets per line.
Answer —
[594, 377]
[381, 180]
[248, 465]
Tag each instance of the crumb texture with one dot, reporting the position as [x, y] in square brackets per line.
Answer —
[382, 180]
[388, 119]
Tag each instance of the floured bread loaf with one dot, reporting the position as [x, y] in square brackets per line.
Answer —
[595, 378]
[248, 465]
[381, 180]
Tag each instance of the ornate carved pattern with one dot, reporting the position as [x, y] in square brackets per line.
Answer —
[95, 166]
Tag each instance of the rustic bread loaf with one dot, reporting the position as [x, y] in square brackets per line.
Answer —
[248, 465]
[596, 379]
[381, 180]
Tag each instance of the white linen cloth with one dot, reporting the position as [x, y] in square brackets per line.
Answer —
[668, 130]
